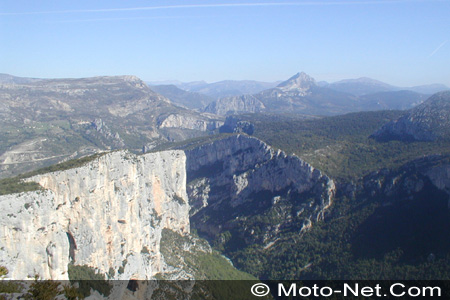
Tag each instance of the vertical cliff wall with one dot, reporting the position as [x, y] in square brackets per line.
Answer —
[239, 178]
[108, 214]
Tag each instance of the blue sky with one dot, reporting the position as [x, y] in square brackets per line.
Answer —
[404, 42]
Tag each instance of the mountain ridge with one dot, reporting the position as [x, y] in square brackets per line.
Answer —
[299, 94]
[429, 121]
[46, 121]
[302, 94]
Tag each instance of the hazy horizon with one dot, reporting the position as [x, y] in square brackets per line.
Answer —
[176, 81]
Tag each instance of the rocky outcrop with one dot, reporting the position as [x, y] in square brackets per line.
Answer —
[108, 214]
[241, 177]
[429, 121]
[408, 180]
[234, 125]
[189, 122]
[112, 140]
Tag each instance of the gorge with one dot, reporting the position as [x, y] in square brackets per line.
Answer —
[110, 213]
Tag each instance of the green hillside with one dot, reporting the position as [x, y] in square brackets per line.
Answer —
[340, 146]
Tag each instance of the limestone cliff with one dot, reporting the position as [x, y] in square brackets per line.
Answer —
[108, 214]
[190, 122]
[238, 178]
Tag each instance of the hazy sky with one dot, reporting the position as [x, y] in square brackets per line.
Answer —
[400, 42]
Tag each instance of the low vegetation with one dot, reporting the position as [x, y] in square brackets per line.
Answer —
[38, 289]
[341, 146]
[16, 185]
[198, 260]
[191, 143]
[87, 278]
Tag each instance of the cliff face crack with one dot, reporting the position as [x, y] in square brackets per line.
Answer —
[72, 246]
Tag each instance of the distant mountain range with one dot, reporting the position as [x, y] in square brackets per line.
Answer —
[360, 86]
[301, 94]
[225, 88]
[363, 86]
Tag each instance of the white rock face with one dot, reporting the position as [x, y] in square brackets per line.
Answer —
[198, 192]
[245, 159]
[300, 82]
[241, 166]
[187, 122]
[108, 214]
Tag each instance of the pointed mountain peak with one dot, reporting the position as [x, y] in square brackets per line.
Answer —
[300, 81]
